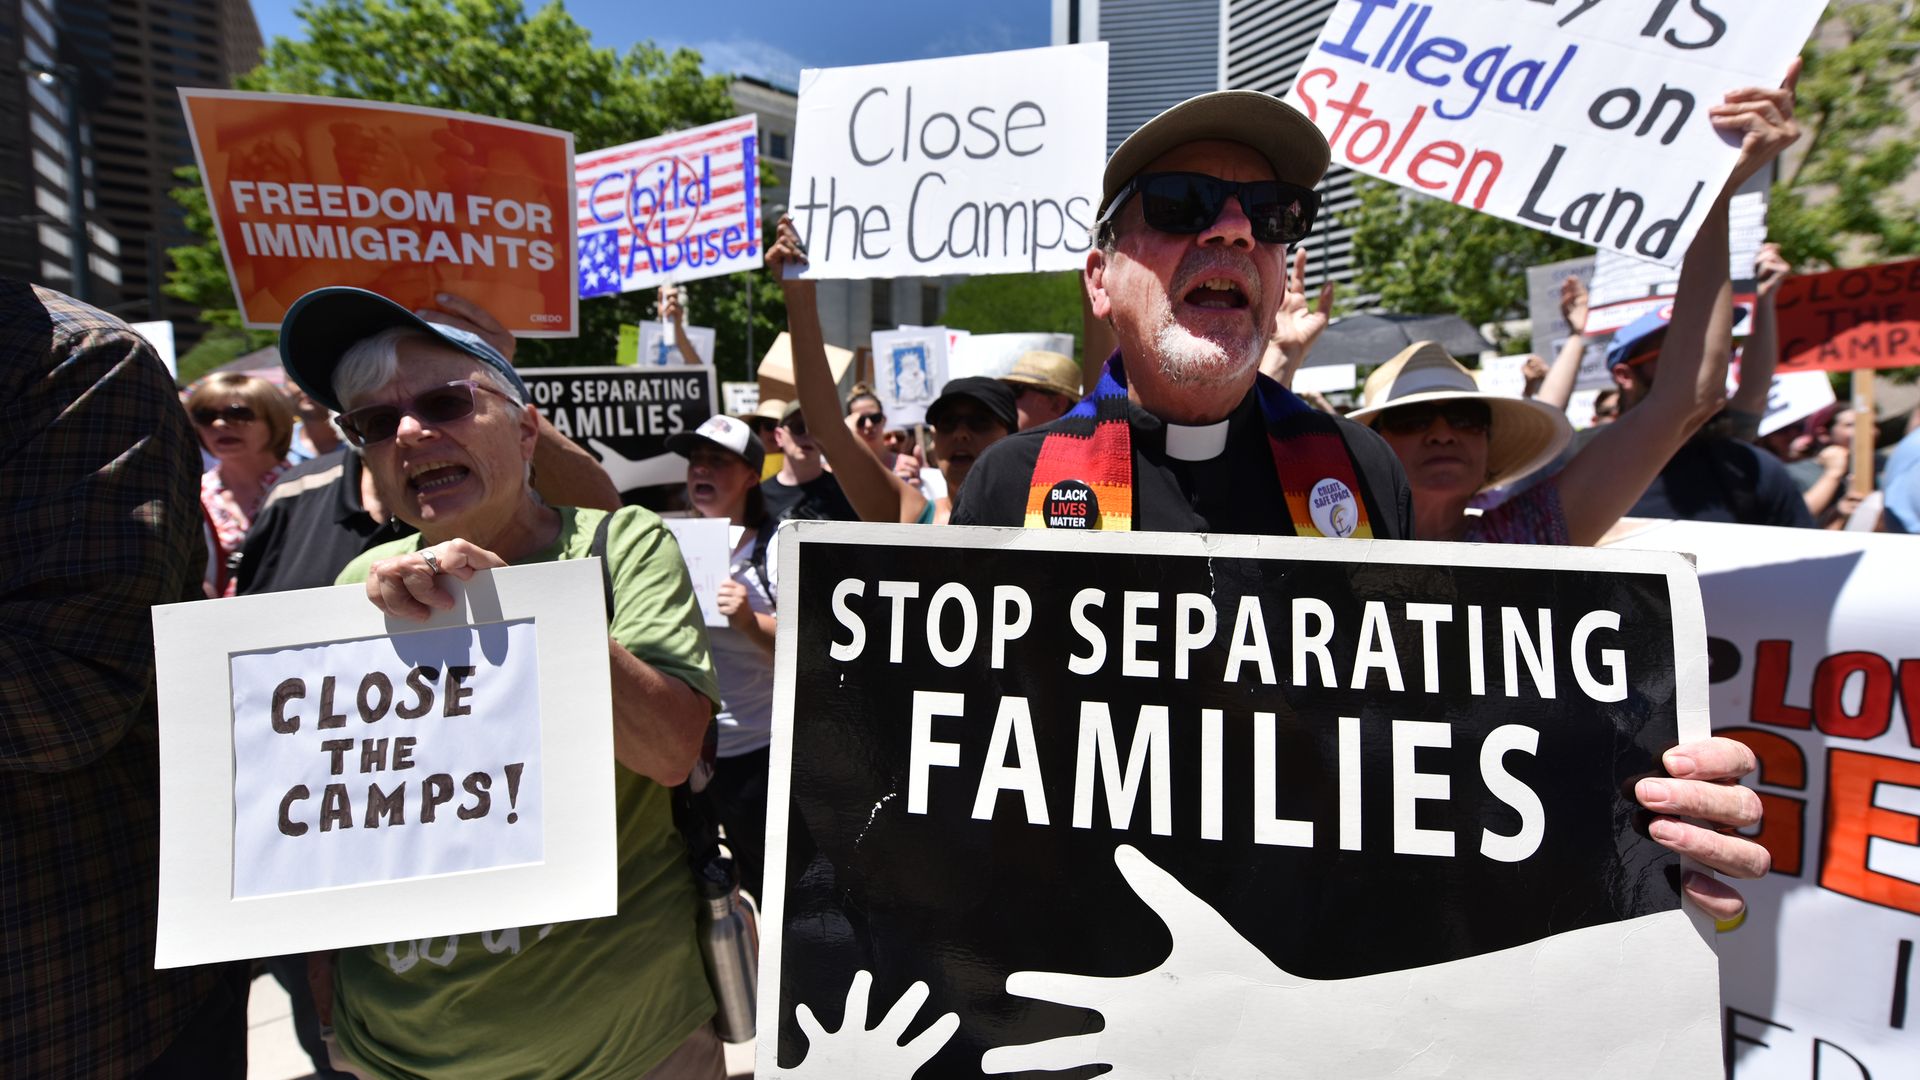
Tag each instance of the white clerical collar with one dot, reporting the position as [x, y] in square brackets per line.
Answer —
[1196, 443]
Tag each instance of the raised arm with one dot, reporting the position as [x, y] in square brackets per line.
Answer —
[1557, 388]
[875, 492]
[1607, 477]
[1762, 354]
[1295, 326]
[674, 310]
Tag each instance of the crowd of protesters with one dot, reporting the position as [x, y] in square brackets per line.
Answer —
[446, 469]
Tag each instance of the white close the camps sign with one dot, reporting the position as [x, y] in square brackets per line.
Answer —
[1582, 118]
[330, 777]
[984, 164]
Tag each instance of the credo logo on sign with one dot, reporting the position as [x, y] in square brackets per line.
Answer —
[1332, 508]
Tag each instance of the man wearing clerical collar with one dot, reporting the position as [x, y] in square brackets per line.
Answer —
[1183, 434]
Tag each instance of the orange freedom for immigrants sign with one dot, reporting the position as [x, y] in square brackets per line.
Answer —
[401, 199]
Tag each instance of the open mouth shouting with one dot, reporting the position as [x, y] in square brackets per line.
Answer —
[703, 490]
[431, 479]
[1217, 293]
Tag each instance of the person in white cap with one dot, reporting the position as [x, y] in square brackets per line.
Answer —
[724, 459]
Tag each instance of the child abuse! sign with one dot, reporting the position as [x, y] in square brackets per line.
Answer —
[1192, 806]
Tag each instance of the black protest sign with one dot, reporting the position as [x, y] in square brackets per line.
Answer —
[1105, 794]
[624, 415]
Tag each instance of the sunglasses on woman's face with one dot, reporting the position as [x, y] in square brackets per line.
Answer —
[1463, 416]
[870, 419]
[441, 405]
[232, 414]
[1186, 203]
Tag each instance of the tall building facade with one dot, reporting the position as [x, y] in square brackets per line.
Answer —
[1161, 52]
[91, 131]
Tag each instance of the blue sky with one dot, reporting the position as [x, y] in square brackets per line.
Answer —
[774, 40]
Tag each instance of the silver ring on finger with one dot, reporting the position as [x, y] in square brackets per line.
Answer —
[432, 561]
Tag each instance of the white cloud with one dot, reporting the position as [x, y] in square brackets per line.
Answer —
[743, 56]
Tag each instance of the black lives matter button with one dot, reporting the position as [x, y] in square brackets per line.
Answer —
[1071, 504]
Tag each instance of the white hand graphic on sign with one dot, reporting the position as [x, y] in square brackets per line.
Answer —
[1218, 1008]
[870, 1053]
[628, 474]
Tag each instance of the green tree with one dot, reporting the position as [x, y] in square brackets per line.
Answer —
[199, 277]
[1017, 303]
[1838, 203]
[493, 58]
[1420, 255]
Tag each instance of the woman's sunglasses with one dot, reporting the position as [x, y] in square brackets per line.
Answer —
[870, 419]
[1186, 203]
[1464, 416]
[440, 405]
[232, 414]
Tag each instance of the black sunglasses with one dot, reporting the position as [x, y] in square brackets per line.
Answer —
[795, 425]
[760, 425]
[440, 405]
[1187, 203]
[232, 414]
[977, 422]
[1464, 416]
[864, 419]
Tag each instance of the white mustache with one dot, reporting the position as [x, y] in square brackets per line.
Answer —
[1208, 262]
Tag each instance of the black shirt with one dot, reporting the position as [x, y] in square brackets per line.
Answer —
[1716, 478]
[1236, 492]
[819, 499]
[311, 526]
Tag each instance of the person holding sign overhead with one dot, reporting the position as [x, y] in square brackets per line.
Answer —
[1184, 434]
[442, 423]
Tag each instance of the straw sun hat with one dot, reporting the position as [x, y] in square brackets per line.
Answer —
[1524, 434]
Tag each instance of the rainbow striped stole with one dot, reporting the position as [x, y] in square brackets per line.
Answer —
[1093, 445]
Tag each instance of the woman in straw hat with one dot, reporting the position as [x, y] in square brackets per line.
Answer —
[1456, 441]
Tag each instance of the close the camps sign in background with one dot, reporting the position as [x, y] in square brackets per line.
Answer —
[985, 164]
[1577, 117]
[1113, 797]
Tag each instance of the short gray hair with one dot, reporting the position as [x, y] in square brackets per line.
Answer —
[372, 362]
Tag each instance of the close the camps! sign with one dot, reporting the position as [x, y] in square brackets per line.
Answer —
[624, 415]
[677, 207]
[401, 199]
[1584, 119]
[1845, 320]
[333, 778]
[1200, 805]
[1815, 665]
[985, 164]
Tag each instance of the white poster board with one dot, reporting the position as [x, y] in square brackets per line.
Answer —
[1624, 288]
[909, 368]
[1795, 396]
[1575, 118]
[993, 355]
[1326, 378]
[1813, 664]
[160, 336]
[330, 777]
[739, 398]
[708, 555]
[986, 164]
[656, 350]
[1503, 375]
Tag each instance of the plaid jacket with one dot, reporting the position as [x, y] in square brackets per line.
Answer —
[99, 520]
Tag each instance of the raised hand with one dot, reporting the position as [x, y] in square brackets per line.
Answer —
[1573, 303]
[786, 258]
[869, 1053]
[1762, 120]
[1296, 326]
[1770, 269]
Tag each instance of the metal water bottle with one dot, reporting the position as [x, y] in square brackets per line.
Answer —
[730, 945]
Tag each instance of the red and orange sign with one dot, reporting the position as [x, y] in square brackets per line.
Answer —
[1844, 320]
[403, 200]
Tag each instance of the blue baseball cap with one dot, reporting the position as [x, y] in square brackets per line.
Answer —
[322, 325]
[1642, 335]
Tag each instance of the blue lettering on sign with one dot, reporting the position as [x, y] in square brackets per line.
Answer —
[1440, 61]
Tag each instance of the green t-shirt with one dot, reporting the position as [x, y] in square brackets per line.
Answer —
[596, 998]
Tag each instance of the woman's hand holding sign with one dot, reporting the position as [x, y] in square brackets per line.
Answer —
[407, 586]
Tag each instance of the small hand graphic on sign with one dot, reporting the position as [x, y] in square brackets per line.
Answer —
[871, 1053]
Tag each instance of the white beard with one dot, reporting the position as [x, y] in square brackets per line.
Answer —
[1188, 359]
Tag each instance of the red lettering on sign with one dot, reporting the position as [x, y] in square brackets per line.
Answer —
[1843, 320]
[1852, 820]
[1772, 663]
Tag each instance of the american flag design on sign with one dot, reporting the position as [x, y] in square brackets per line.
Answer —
[674, 208]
